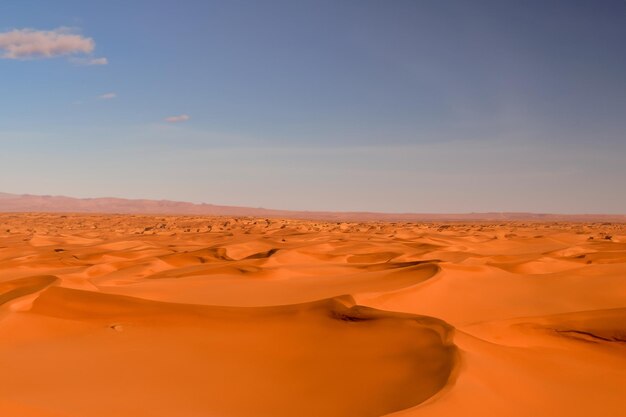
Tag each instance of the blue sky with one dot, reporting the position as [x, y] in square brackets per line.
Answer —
[422, 106]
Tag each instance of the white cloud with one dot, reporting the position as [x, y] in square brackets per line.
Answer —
[90, 61]
[107, 96]
[177, 119]
[31, 43]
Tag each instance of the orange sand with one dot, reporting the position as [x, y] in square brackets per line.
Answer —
[150, 316]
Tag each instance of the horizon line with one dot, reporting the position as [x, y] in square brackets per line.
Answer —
[187, 208]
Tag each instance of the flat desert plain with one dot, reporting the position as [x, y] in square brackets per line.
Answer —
[163, 316]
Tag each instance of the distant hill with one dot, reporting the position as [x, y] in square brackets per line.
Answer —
[60, 204]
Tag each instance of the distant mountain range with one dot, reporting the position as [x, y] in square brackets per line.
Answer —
[60, 204]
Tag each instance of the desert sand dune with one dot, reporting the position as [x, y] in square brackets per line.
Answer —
[185, 359]
[10, 290]
[218, 316]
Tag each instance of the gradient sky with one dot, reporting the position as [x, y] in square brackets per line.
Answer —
[397, 106]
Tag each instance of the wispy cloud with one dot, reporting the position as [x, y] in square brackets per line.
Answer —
[107, 96]
[32, 43]
[90, 61]
[177, 119]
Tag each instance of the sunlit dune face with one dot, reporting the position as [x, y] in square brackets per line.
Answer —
[225, 361]
[163, 316]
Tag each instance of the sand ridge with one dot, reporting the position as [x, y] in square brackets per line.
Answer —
[189, 315]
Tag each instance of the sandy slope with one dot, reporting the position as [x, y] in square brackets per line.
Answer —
[197, 316]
